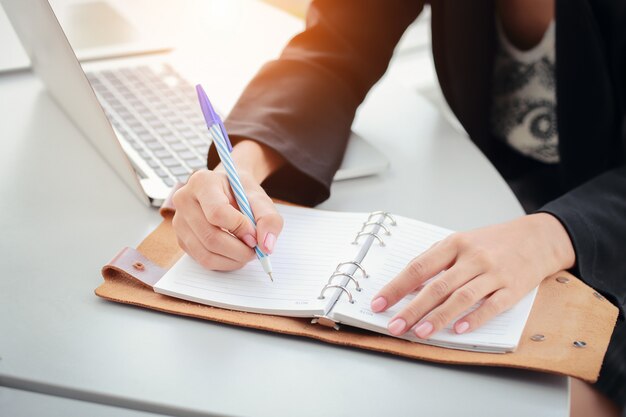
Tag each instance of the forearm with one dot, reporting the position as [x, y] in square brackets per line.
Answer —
[559, 249]
[257, 159]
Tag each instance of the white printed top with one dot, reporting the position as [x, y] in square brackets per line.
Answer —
[523, 112]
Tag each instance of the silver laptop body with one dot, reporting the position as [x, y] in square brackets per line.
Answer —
[139, 113]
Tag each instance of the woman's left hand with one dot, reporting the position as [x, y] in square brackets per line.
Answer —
[499, 264]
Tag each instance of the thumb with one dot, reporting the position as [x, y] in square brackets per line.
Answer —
[269, 223]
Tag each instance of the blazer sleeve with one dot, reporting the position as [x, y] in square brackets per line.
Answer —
[302, 104]
[594, 215]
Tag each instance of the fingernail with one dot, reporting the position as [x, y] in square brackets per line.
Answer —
[270, 241]
[423, 330]
[378, 304]
[461, 327]
[249, 240]
[396, 327]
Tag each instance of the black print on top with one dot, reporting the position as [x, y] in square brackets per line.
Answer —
[512, 75]
[538, 116]
[523, 112]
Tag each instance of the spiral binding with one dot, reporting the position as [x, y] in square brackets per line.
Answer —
[349, 276]
[385, 214]
[382, 226]
[350, 299]
[360, 234]
[355, 263]
[378, 225]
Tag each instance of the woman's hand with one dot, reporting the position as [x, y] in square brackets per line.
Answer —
[207, 222]
[499, 264]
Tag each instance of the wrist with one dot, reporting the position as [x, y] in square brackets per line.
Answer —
[559, 244]
[258, 160]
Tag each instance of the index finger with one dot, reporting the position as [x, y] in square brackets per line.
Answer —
[425, 266]
[228, 218]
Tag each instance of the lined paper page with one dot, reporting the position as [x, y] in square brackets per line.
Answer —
[311, 245]
[409, 239]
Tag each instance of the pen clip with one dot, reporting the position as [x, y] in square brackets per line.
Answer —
[210, 115]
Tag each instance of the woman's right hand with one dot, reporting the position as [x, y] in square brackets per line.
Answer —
[210, 227]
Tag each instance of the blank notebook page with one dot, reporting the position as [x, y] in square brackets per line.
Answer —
[307, 251]
[409, 239]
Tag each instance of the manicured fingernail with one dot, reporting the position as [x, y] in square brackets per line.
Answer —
[461, 327]
[396, 327]
[378, 304]
[249, 240]
[270, 241]
[423, 330]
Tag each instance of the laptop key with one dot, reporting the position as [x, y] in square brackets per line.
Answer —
[162, 153]
[170, 138]
[146, 136]
[170, 162]
[143, 132]
[179, 147]
[196, 163]
[189, 134]
[187, 155]
[154, 145]
[124, 114]
[203, 149]
[134, 124]
[179, 170]
[197, 141]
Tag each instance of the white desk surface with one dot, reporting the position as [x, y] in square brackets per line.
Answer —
[18, 403]
[64, 214]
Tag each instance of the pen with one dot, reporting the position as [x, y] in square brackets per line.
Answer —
[224, 148]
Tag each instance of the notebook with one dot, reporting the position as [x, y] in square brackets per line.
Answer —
[330, 265]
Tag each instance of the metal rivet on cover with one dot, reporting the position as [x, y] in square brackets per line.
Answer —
[537, 338]
[562, 280]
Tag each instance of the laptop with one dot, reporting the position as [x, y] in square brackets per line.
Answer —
[140, 113]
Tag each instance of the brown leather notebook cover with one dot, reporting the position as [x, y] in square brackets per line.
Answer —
[567, 333]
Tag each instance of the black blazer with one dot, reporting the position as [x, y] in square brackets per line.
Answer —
[302, 105]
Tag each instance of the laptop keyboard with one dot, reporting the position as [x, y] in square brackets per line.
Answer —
[156, 112]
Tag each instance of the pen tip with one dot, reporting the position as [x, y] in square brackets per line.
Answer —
[271, 277]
